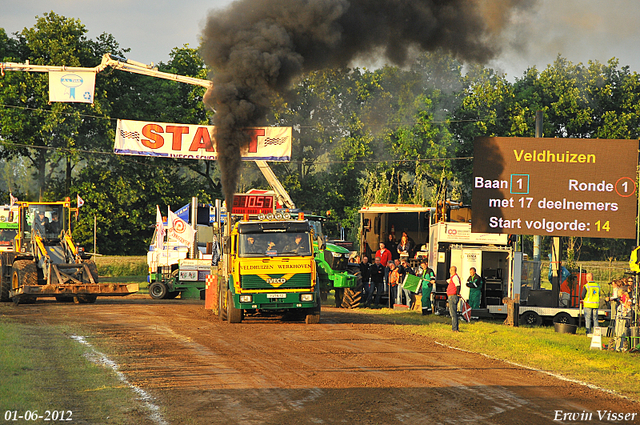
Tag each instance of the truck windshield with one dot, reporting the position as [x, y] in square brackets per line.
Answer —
[273, 244]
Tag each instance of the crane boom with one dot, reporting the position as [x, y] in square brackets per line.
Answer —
[124, 64]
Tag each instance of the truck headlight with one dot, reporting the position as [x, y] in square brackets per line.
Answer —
[306, 297]
[245, 298]
[336, 254]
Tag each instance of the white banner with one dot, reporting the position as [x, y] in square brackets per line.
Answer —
[71, 86]
[159, 230]
[196, 141]
[179, 230]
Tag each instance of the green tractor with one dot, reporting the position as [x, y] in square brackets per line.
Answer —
[334, 270]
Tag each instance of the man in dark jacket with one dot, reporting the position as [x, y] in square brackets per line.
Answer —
[376, 273]
[364, 274]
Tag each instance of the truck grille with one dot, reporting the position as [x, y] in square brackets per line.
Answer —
[300, 280]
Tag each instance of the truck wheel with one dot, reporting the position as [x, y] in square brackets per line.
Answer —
[530, 318]
[172, 295]
[158, 290]
[234, 315]
[222, 297]
[353, 296]
[313, 316]
[564, 318]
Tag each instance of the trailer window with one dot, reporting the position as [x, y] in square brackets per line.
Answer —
[274, 244]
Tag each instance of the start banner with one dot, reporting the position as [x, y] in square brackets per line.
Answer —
[189, 141]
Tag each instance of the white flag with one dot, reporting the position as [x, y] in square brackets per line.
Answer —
[179, 230]
[13, 199]
[159, 230]
[80, 201]
[71, 86]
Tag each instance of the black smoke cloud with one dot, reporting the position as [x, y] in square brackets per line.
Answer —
[256, 47]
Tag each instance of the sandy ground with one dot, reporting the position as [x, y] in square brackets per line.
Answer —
[350, 369]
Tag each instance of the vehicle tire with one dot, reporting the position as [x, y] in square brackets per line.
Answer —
[158, 290]
[234, 315]
[564, 318]
[353, 296]
[172, 295]
[222, 304]
[530, 318]
[338, 293]
[313, 314]
[85, 299]
[25, 273]
[23, 299]
[93, 269]
[5, 286]
[312, 318]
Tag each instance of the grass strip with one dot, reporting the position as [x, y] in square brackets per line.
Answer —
[537, 347]
[116, 266]
[42, 369]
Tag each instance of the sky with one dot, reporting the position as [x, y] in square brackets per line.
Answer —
[579, 30]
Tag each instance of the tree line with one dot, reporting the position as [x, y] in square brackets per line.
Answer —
[361, 136]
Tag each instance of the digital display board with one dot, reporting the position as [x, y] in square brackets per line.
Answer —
[252, 204]
[555, 187]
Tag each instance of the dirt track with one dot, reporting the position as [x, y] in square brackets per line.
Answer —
[269, 371]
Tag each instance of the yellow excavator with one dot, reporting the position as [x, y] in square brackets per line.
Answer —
[45, 262]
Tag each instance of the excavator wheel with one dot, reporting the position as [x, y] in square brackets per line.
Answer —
[25, 273]
[353, 296]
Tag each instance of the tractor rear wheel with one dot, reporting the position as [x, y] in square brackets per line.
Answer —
[234, 315]
[158, 290]
[353, 296]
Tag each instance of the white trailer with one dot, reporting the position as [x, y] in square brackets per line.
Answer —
[537, 305]
[453, 244]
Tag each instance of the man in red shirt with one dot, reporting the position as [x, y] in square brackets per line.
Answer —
[453, 292]
[384, 254]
